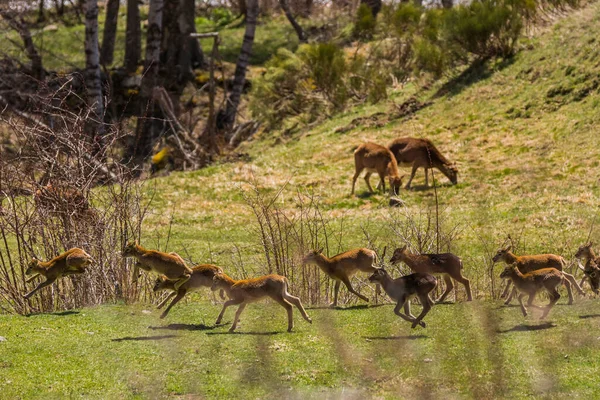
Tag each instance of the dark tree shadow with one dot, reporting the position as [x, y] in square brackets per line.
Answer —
[247, 333]
[401, 337]
[58, 314]
[527, 327]
[143, 338]
[478, 71]
[183, 327]
[365, 194]
[589, 316]
[354, 307]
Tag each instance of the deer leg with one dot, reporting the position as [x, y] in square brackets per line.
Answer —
[412, 175]
[467, 284]
[237, 316]
[554, 296]
[568, 285]
[162, 303]
[407, 310]
[346, 282]
[336, 290]
[288, 307]
[40, 286]
[573, 282]
[296, 301]
[511, 295]
[582, 282]
[32, 278]
[186, 277]
[506, 288]
[179, 296]
[356, 174]
[225, 305]
[426, 307]
[426, 177]
[399, 305]
[367, 177]
[449, 287]
[382, 181]
[523, 309]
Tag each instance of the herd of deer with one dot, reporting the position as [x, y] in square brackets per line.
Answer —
[528, 274]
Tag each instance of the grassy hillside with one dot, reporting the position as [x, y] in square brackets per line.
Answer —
[523, 135]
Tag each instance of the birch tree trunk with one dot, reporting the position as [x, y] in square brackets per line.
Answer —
[147, 127]
[133, 37]
[94, 125]
[226, 117]
[110, 32]
[41, 12]
[288, 13]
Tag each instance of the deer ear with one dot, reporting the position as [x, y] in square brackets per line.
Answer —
[320, 250]
[403, 248]
[508, 248]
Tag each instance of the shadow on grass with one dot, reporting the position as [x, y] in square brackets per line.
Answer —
[423, 188]
[401, 337]
[143, 338]
[527, 327]
[246, 333]
[58, 314]
[366, 195]
[355, 307]
[589, 316]
[184, 327]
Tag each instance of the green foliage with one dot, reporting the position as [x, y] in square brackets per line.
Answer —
[221, 16]
[364, 28]
[327, 67]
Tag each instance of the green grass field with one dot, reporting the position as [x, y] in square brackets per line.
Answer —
[524, 135]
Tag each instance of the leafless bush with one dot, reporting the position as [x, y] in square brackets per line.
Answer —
[52, 201]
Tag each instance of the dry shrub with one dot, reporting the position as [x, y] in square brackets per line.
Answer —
[52, 201]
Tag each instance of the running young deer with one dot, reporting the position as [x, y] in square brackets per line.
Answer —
[379, 159]
[532, 263]
[202, 276]
[403, 289]
[247, 291]
[343, 266]
[530, 283]
[71, 262]
[170, 265]
[422, 153]
[445, 263]
[591, 270]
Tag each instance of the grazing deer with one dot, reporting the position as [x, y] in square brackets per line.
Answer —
[530, 283]
[343, 266]
[532, 263]
[591, 270]
[62, 199]
[422, 153]
[376, 158]
[202, 276]
[171, 265]
[403, 289]
[445, 263]
[71, 262]
[247, 291]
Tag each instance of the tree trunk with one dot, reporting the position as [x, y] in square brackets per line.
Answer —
[242, 7]
[147, 126]
[37, 71]
[187, 23]
[133, 37]
[447, 3]
[110, 32]
[226, 118]
[41, 12]
[288, 13]
[94, 125]
[60, 7]
[307, 11]
[374, 5]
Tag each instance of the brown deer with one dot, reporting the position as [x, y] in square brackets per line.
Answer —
[202, 276]
[343, 266]
[376, 158]
[247, 291]
[591, 270]
[170, 265]
[445, 263]
[422, 153]
[530, 283]
[71, 262]
[531, 263]
[403, 289]
[62, 199]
